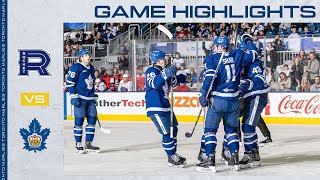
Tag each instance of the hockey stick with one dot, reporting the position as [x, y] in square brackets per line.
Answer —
[169, 34]
[187, 134]
[106, 131]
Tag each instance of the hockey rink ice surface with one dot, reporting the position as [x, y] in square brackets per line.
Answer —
[134, 148]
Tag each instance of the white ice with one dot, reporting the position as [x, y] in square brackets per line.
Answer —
[134, 148]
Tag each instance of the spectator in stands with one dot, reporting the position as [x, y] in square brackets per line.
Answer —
[285, 69]
[271, 30]
[256, 28]
[89, 39]
[280, 46]
[123, 62]
[202, 31]
[312, 69]
[284, 28]
[305, 85]
[99, 85]
[316, 85]
[125, 84]
[140, 79]
[177, 60]
[211, 33]
[183, 73]
[113, 80]
[75, 49]
[190, 31]
[296, 73]
[276, 39]
[313, 50]
[268, 76]
[126, 49]
[97, 74]
[258, 44]
[306, 32]
[122, 27]
[113, 29]
[81, 36]
[181, 87]
[247, 30]
[108, 36]
[285, 82]
[99, 40]
[67, 51]
[272, 58]
[294, 33]
[68, 40]
[261, 34]
[180, 32]
[303, 58]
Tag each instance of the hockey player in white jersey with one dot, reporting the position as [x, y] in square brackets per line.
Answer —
[222, 77]
[81, 87]
[158, 106]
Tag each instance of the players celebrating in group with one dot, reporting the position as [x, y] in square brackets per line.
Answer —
[229, 75]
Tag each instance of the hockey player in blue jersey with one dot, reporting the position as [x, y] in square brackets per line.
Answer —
[255, 94]
[219, 94]
[80, 84]
[158, 106]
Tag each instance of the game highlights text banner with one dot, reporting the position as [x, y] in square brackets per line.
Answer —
[203, 11]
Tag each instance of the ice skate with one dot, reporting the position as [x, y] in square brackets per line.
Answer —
[79, 148]
[234, 162]
[202, 157]
[176, 160]
[267, 141]
[225, 156]
[89, 147]
[250, 159]
[208, 165]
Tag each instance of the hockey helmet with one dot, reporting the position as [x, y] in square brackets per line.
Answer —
[155, 55]
[223, 41]
[83, 52]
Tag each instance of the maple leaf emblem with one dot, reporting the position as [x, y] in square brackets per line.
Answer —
[34, 138]
[89, 82]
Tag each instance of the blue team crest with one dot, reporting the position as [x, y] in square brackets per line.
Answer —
[34, 139]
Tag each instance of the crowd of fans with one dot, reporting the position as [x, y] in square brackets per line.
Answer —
[300, 74]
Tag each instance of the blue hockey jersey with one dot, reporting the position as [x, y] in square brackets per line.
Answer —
[80, 81]
[255, 73]
[225, 85]
[157, 100]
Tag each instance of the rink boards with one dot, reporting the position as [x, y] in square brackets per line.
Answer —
[282, 108]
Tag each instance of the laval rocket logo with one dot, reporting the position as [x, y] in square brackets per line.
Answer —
[34, 138]
[33, 60]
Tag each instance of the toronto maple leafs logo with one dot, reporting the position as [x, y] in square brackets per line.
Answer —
[34, 139]
[89, 82]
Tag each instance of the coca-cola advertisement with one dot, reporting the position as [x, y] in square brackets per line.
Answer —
[293, 105]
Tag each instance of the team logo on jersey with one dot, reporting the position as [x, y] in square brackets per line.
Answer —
[33, 60]
[34, 138]
[89, 82]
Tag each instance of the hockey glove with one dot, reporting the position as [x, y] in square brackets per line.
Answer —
[245, 85]
[75, 100]
[168, 72]
[204, 102]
